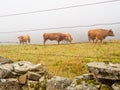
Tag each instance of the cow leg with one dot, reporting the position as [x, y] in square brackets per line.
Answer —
[21, 42]
[96, 39]
[44, 42]
[101, 40]
[29, 41]
[89, 39]
[58, 42]
[26, 42]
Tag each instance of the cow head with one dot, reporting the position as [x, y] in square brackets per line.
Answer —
[110, 33]
[68, 37]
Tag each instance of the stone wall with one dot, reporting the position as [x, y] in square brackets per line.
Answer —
[24, 75]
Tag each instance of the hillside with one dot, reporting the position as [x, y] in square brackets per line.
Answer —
[66, 59]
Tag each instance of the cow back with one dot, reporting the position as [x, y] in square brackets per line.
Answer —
[99, 33]
[24, 38]
[53, 36]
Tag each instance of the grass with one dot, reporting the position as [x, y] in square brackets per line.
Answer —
[68, 60]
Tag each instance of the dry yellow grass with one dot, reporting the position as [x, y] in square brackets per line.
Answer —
[64, 60]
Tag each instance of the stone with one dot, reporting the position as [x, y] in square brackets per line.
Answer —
[20, 75]
[9, 84]
[116, 86]
[88, 76]
[84, 82]
[5, 60]
[35, 67]
[22, 66]
[7, 67]
[106, 73]
[83, 86]
[105, 70]
[33, 76]
[58, 83]
[6, 71]
[42, 70]
[22, 79]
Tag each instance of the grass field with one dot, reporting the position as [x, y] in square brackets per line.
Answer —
[67, 60]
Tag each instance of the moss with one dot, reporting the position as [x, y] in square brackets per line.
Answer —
[79, 81]
[106, 62]
[104, 87]
[31, 85]
[92, 81]
[42, 85]
[37, 86]
[87, 81]
[104, 74]
[34, 85]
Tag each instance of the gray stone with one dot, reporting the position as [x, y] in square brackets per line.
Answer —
[5, 61]
[84, 82]
[9, 84]
[7, 67]
[6, 71]
[88, 76]
[105, 70]
[58, 83]
[33, 76]
[116, 86]
[35, 67]
[22, 66]
[83, 86]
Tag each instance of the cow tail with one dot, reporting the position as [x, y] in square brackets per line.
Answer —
[29, 39]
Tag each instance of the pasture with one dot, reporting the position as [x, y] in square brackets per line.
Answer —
[68, 60]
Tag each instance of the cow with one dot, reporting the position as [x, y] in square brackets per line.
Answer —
[68, 38]
[24, 39]
[54, 36]
[99, 34]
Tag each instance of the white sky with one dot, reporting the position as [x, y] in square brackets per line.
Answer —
[86, 15]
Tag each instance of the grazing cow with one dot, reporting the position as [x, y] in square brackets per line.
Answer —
[99, 34]
[54, 36]
[68, 37]
[24, 38]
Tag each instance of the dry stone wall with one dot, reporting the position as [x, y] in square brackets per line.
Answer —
[23, 75]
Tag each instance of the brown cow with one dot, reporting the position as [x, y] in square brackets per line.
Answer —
[99, 34]
[54, 36]
[24, 38]
[68, 37]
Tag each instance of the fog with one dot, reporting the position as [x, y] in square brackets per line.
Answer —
[37, 23]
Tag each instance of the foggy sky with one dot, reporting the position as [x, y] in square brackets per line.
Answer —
[86, 15]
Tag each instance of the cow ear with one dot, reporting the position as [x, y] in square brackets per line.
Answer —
[110, 30]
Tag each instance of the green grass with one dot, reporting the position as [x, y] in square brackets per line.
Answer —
[67, 60]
